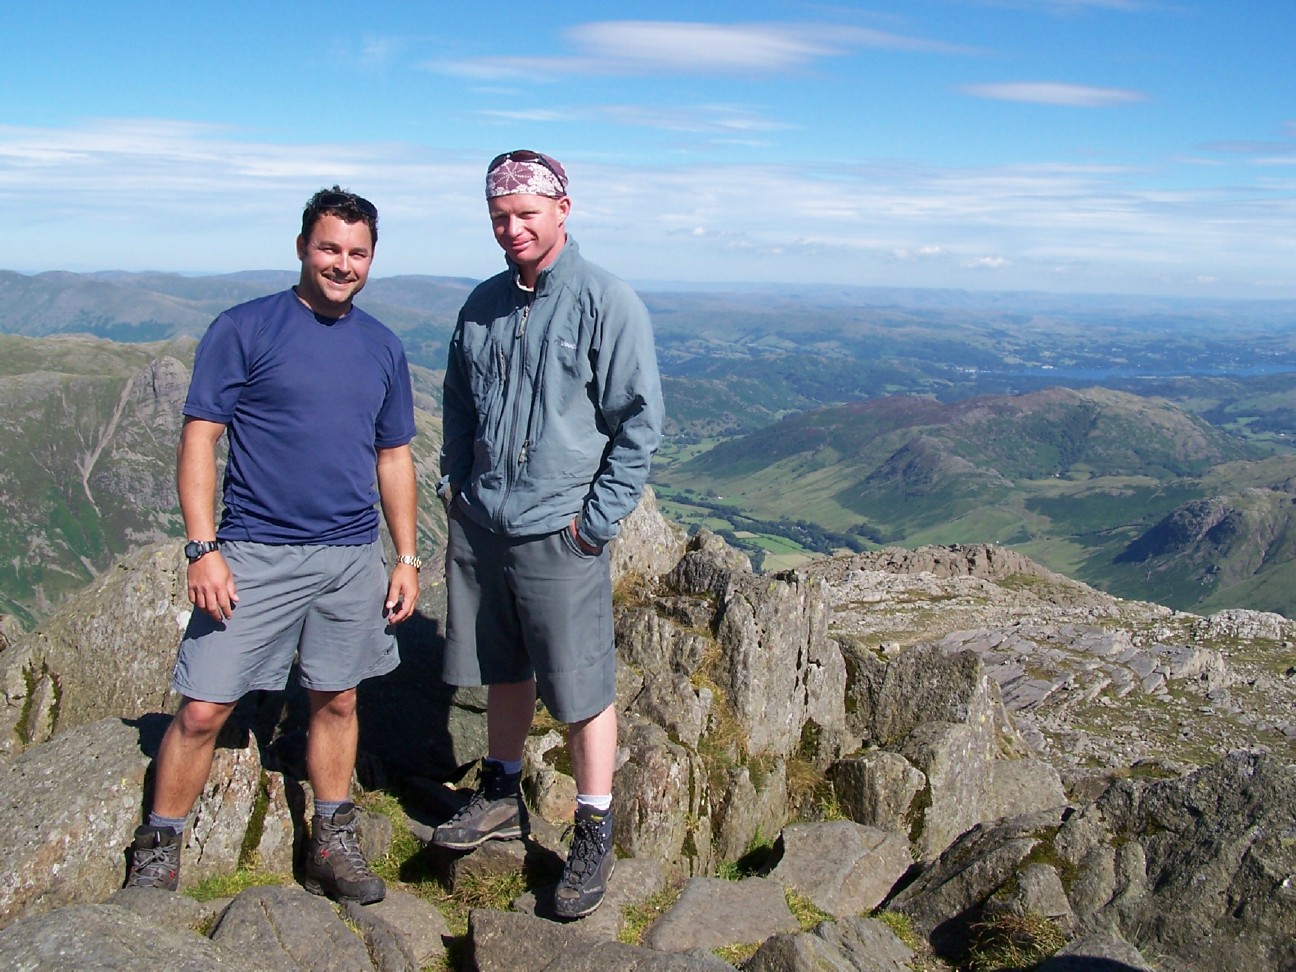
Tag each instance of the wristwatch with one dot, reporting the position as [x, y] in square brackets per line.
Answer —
[196, 549]
[413, 560]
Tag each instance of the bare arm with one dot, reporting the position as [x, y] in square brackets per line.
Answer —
[211, 585]
[398, 492]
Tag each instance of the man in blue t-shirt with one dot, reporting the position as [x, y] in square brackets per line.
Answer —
[315, 397]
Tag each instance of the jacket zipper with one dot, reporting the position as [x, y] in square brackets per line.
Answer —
[517, 375]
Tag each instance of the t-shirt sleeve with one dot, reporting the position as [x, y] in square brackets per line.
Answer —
[219, 374]
[395, 422]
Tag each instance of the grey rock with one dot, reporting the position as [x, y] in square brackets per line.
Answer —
[1202, 868]
[949, 893]
[633, 881]
[966, 784]
[74, 802]
[659, 800]
[843, 867]
[109, 651]
[648, 545]
[853, 944]
[877, 788]
[289, 929]
[744, 814]
[90, 937]
[1097, 952]
[401, 932]
[504, 942]
[161, 907]
[711, 913]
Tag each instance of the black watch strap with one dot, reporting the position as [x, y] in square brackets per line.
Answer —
[195, 549]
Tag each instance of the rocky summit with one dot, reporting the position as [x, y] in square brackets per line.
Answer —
[944, 758]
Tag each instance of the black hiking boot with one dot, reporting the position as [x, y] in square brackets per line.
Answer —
[495, 812]
[155, 859]
[589, 865]
[334, 865]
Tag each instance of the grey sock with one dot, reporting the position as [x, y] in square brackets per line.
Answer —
[326, 808]
[175, 823]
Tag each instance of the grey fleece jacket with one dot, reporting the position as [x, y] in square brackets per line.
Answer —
[552, 404]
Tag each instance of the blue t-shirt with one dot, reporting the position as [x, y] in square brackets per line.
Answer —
[307, 402]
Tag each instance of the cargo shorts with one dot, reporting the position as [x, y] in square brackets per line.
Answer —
[523, 607]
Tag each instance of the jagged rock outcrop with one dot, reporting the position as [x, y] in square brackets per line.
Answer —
[108, 653]
[930, 695]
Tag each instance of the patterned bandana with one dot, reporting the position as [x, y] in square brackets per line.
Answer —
[526, 172]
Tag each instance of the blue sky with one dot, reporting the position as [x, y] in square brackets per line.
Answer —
[1124, 146]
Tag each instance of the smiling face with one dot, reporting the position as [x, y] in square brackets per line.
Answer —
[530, 230]
[335, 264]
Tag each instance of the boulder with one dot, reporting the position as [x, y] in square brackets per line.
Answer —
[711, 913]
[1202, 867]
[853, 944]
[777, 667]
[503, 942]
[843, 867]
[78, 799]
[877, 788]
[100, 936]
[967, 784]
[289, 929]
[108, 652]
[660, 801]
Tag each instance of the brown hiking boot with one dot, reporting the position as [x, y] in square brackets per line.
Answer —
[155, 859]
[495, 812]
[334, 865]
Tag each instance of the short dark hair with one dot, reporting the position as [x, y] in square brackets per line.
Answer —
[345, 205]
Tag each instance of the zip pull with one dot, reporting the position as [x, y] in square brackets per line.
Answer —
[522, 453]
[522, 322]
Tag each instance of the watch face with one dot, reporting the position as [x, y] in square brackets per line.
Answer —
[193, 550]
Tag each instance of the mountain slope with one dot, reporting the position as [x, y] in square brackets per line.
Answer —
[88, 430]
[1073, 477]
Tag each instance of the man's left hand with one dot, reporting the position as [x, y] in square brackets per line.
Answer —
[402, 593]
[580, 541]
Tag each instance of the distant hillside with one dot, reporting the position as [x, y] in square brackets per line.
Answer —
[88, 430]
[135, 307]
[1102, 485]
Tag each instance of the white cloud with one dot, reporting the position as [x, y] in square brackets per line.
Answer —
[165, 195]
[647, 47]
[987, 263]
[1055, 93]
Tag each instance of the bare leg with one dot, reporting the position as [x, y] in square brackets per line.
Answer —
[510, 708]
[592, 744]
[184, 759]
[331, 743]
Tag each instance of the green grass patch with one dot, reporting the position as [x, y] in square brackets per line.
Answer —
[229, 885]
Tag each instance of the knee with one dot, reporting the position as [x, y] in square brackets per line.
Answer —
[339, 706]
[197, 719]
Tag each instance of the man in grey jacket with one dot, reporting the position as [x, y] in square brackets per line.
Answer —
[552, 411]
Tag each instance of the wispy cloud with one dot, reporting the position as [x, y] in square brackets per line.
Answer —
[1055, 93]
[646, 47]
[154, 183]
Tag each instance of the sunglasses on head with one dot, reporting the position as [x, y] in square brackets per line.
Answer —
[526, 155]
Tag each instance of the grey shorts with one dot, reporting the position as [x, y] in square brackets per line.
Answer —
[530, 606]
[322, 603]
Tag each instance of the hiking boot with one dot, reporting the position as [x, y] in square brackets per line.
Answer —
[155, 859]
[334, 865]
[589, 865]
[495, 812]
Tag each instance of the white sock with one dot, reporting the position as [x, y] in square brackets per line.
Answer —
[599, 803]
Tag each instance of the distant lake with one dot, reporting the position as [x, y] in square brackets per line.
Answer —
[1099, 374]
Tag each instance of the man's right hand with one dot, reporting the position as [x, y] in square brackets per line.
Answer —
[211, 586]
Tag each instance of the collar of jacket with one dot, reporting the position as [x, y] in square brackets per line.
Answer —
[560, 268]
